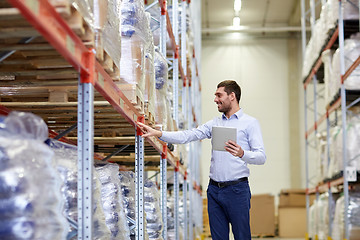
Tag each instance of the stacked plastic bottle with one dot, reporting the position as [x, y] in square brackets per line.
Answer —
[30, 196]
[65, 159]
[154, 223]
[112, 201]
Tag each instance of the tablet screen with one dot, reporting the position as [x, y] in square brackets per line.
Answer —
[220, 135]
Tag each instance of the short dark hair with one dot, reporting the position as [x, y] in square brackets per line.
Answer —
[231, 86]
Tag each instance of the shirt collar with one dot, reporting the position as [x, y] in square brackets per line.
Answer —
[238, 114]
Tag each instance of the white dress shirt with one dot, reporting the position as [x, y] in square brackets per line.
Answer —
[224, 166]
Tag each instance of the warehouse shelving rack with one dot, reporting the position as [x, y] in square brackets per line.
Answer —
[340, 102]
[43, 17]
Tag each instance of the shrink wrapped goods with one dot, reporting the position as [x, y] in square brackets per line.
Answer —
[154, 225]
[326, 57]
[137, 43]
[149, 94]
[327, 21]
[353, 143]
[66, 163]
[27, 172]
[319, 217]
[163, 114]
[322, 157]
[104, 19]
[112, 201]
[353, 216]
[127, 182]
[171, 219]
[352, 52]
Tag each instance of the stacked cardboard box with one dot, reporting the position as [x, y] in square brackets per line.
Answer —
[292, 213]
[262, 215]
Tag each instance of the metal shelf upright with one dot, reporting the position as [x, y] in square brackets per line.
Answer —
[320, 117]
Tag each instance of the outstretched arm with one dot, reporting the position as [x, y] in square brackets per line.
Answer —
[178, 137]
[148, 131]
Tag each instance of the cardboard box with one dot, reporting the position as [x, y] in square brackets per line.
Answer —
[294, 198]
[292, 222]
[262, 215]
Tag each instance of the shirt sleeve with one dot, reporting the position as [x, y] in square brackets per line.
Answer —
[256, 154]
[186, 136]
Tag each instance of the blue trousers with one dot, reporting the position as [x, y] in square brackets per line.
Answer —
[229, 205]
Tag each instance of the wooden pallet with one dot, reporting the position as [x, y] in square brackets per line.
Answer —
[134, 94]
[149, 114]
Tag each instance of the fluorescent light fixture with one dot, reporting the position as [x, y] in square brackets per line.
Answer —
[237, 5]
[236, 21]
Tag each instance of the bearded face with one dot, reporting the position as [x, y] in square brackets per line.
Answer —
[222, 99]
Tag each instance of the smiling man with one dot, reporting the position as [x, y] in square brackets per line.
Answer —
[228, 192]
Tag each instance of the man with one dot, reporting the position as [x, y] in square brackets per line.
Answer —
[228, 192]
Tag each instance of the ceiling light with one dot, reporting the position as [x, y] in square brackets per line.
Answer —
[237, 5]
[236, 21]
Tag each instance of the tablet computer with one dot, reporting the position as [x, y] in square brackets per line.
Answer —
[220, 135]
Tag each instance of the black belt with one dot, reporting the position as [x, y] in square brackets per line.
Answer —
[227, 183]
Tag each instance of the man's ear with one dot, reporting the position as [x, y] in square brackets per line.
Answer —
[232, 96]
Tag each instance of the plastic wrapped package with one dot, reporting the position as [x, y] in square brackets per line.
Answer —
[112, 201]
[127, 181]
[149, 94]
[333, 165]
[323, 216]
[161, 79]
[66, 163]
[319, 217]
[181, 210]
[161, 70]
[104, 18]
[322, 163]
[152, 209]
[353, 143]
[136, 42]
[351, 9]
[352, 52]
[112, 30]
[95, 13]
[353, 216]
[25, 211]
[338, 222]
[313, 220]
[352, 148]
[171, 219]
[132, 62]
[327, 21]
[326, 57]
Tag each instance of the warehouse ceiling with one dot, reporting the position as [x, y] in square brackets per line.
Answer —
[256, 14]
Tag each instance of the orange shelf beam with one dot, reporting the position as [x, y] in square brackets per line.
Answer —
[325, 186]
